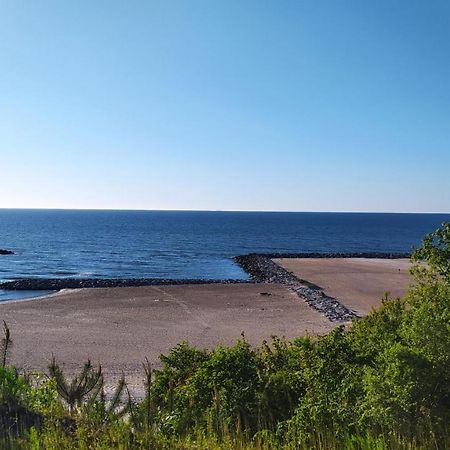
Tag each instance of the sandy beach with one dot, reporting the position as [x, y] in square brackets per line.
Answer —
[120, 327]
[358, 283]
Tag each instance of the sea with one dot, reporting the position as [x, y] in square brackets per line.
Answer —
[186, 244]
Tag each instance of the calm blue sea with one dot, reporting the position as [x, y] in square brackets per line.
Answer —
[179, 244]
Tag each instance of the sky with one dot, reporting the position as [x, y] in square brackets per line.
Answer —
[225, 105]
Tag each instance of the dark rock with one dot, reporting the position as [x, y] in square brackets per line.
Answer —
[379, 255]
[6, 252]
[263, 270]
[54, 284]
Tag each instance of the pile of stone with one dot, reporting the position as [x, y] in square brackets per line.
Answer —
[328, 255]
[263, 270]
[54, 284]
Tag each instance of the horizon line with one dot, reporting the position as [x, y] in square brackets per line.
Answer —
[224, 210]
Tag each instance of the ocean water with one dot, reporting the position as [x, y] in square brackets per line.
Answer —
[179, 244]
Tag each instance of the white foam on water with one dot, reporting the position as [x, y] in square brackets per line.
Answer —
[6, 295]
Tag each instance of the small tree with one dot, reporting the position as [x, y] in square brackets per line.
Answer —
[435, 252]
[88, 384]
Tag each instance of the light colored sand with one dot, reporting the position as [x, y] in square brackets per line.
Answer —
[358, 283]
[119, 327]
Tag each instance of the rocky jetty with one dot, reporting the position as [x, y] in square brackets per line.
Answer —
[263, 270]
[377, 255]
[6, 252]
[54, 284]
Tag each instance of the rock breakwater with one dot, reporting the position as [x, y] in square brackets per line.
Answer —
[263, 270]
[54, 284]
[377, 255]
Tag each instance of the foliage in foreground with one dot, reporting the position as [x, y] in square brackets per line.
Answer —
[435, 251]
[383, 383]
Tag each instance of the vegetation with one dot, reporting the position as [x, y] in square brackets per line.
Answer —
[435, 251]
[383, 383]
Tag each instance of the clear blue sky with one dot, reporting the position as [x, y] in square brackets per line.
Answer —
[233, 104]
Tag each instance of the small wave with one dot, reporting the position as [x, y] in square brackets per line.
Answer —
[21, 295]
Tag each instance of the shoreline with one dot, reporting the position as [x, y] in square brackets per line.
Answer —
[261, 269]
[250, 263]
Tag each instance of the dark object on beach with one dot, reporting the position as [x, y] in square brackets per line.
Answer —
[265, 293]
[6, 252]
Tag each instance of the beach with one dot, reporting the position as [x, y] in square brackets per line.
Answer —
[358, 283]
[120, 327]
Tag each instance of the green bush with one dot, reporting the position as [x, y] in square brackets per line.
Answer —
[435, 252]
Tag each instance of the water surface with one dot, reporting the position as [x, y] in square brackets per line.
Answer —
[176, 244]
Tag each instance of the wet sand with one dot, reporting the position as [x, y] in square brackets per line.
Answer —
[120, 327]
[358, 283]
